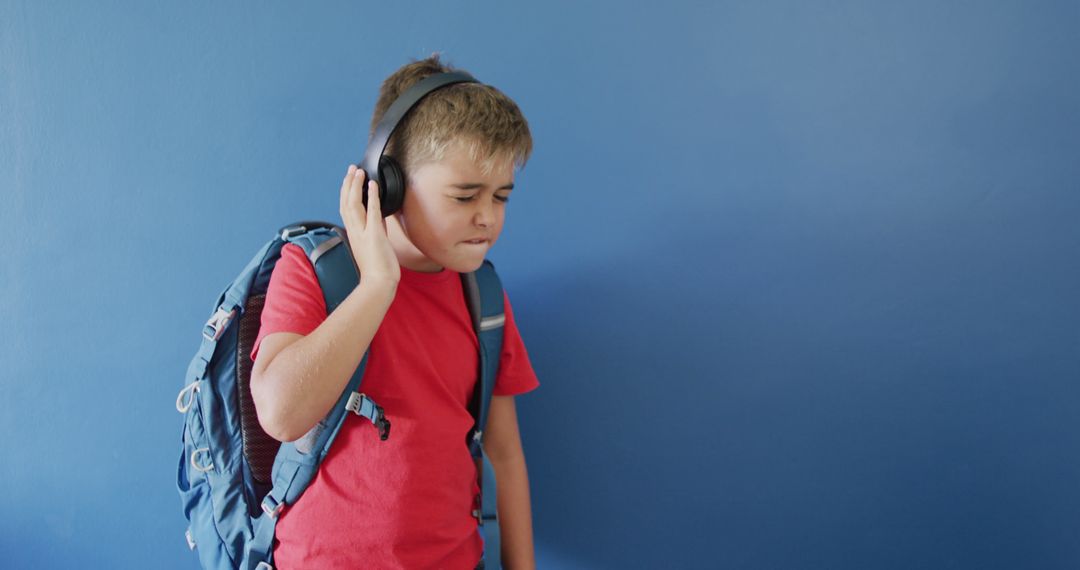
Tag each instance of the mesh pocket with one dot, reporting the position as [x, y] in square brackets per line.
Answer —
[259, 448]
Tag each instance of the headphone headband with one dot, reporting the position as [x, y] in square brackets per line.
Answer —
[399, 108]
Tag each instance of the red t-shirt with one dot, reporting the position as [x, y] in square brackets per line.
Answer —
[405, 502]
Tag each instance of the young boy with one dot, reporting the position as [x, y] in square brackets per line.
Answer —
[406, 502]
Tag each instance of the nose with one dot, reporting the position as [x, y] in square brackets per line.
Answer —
[484, 215]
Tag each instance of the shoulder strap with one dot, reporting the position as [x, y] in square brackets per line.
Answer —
[297, 462]
[333, 266]
[484, 297]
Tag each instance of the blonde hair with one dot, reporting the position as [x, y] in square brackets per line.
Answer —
[486, 122]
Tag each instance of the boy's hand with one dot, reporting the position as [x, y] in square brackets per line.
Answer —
[371, 249]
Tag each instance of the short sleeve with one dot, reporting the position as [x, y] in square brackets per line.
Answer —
[294, 300]
[516, 375]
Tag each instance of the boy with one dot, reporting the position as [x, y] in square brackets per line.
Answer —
[405, 502]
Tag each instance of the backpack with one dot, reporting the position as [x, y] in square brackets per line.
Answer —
[232, 477]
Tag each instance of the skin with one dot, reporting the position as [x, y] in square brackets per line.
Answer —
[296, 379]
[446, 203]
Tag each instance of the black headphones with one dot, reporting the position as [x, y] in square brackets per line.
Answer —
[384, 169]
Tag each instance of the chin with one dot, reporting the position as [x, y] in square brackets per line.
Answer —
[469, 268]
[464, 266]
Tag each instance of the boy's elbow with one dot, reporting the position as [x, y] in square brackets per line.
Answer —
[270, 413]
[277, 430]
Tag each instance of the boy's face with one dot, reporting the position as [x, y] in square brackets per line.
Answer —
[448, 205]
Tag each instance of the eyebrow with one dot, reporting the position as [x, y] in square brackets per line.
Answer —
[475, 185]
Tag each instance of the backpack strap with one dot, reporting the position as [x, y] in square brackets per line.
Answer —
[484, 297]
[297, 462]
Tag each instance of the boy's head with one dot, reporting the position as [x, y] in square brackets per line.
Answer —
[481, 117]
[458, 148]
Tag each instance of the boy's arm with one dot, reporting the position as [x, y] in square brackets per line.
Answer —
[502, 442]
[296, 379]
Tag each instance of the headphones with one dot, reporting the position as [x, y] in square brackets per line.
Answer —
[385, 170]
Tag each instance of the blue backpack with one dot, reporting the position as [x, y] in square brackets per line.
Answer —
[233, 478]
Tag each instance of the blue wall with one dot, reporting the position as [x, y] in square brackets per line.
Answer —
[799, 279]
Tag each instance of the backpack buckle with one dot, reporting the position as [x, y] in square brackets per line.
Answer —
[482, 517]
[292, 231]
[363, 406]
[383, 423]
[271, 507]
[217, 323]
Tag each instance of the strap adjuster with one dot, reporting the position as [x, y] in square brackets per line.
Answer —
[292, 231]
[492, 322]
[481, 517]
[476, 443]
[364, 406]
[271, 507]
[383, 423]
[217, 323]
[478, 512]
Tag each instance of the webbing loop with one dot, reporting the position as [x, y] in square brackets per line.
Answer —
[195, 463]
[187, 397]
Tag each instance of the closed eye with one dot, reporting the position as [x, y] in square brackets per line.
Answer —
[503, 199]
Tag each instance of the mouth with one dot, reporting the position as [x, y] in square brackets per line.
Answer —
[475, 241]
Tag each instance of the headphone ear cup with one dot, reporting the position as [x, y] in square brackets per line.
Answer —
[391, 185]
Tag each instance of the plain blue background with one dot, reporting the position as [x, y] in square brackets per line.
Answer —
[799, 279]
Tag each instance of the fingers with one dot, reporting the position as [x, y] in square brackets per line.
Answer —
[352, 199]
[356, 198]
[374, 207]
[346, 185]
